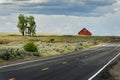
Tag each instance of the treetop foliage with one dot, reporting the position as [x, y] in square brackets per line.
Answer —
[26, 25]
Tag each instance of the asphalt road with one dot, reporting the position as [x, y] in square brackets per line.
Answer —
[76, 66]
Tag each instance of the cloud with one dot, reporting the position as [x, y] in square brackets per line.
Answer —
[8, 9]
[3, 1]
[61, 24]
[17, 1]
[38, 1]
[72, 24]
[58, 7]
[68, 7]
[8, 23]
[101, 17]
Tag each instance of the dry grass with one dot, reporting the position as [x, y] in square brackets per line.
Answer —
[9, 33]
[50, 45]
[115, 71]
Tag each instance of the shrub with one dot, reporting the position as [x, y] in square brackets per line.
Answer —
[36, 54]
[96, 42]
[15, 53]
[30, 47]
[79, 46]
[11, 54]
[52, 40]
[32, 54]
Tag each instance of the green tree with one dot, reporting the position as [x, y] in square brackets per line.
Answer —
[32, 26]
[26, 25]
[22, 24]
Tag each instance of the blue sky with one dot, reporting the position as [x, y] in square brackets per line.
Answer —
[101, 17]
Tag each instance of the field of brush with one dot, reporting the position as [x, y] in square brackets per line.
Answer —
[11, 45]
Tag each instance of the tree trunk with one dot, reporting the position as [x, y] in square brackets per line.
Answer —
[23, 33]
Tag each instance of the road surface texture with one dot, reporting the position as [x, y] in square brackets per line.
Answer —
[79, 65]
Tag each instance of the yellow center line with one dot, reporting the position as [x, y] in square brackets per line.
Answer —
[44, 69]
[64, 62]
[12, 79]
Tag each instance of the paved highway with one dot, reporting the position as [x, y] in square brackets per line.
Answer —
[76, 66]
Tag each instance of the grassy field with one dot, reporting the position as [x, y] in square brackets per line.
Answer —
[57, 38]
[11, 45]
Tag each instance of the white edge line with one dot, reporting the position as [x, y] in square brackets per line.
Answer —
[104, 67]
[18, 63]
[14, 64]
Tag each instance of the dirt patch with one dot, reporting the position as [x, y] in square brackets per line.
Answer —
[112, 73]
[5, 41]
[115, 71]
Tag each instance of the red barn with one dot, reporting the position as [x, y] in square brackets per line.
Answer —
[84, 31]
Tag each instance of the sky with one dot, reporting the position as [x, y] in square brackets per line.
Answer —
[100, 17]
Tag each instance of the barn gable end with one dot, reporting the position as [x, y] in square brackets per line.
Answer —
[84, 31]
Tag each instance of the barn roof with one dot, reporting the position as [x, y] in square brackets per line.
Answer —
[84, 31]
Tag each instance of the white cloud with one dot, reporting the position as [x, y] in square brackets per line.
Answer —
[23, 1]
[3, 18]
[74, 2]
[38, 1]
[108, 24]
[60, 24]
[116, 6]
[4, 1]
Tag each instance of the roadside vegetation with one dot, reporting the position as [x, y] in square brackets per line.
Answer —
[16, 47]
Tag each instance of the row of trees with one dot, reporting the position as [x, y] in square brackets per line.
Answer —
[26, 25]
